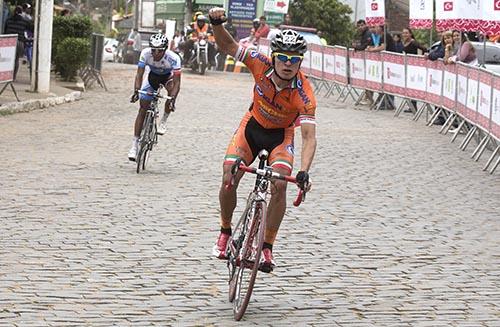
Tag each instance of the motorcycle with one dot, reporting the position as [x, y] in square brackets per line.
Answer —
[199, 57]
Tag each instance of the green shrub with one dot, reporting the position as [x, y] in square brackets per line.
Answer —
[69, 26]
[72, 53]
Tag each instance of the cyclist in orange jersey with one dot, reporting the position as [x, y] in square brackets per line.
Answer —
[282, 95]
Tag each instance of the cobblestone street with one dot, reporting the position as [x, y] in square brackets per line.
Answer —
[400, 229]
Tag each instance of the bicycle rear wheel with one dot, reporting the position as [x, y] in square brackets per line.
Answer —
[249, 259]
[144, 142]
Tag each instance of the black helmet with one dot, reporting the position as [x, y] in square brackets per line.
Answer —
[289, 40]
[158, 41]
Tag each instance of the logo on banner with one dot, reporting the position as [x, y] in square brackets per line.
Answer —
[483, 100]
[432, 81]
[448, 6]
[497, 5]
[422, 4]
[392, 74]
[374, 6]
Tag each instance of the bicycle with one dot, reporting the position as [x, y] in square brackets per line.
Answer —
[149, 137]
[245, 245]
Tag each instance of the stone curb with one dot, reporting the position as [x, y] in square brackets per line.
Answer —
[30, 105]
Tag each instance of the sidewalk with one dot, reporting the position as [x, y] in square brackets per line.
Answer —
[60, 92]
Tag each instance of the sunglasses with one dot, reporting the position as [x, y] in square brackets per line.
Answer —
[284, 58]
[157, 50]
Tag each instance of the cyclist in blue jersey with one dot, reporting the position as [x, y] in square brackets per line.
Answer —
[165, 69]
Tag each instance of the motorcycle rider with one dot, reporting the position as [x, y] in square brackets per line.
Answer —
[165, 69]
[200, 27]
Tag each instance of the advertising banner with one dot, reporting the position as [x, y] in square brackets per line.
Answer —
[8, 44]
[341, 65]
[491, 17]
[394, 73]
[461, 89]
[264, 46]
[375, 12]
[434, 82]
[416, 77]
[450, 86]
[484, 99]
[278, 6]
[316, 60]
[242, 12]
[460, 14]
[373, 66]
[329, 63]
[305, 67]
[495, 110]
[357, 68]
[421, 14]
[472, 93]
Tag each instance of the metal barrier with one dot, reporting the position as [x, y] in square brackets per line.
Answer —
[92, 71]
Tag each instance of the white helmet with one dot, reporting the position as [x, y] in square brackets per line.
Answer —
[158, 41]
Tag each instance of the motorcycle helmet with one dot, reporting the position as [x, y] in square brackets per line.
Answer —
[158, 41]
[289, 40]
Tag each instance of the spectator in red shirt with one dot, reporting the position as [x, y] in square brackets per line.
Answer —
[263, 29]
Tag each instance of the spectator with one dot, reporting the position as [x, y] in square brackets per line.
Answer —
[262, 30]
[174, 44]
[364, 36]
[410, 45]
[287, 20]
[398, 45]
[377, 45]
[136, 36]
[18, 25]
[65, 12]
[321, 38]
[465, 52]
[27, 12]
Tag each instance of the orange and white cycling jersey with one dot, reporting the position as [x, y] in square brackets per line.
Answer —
[273, 108]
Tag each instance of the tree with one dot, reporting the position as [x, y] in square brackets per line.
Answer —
[329, 16]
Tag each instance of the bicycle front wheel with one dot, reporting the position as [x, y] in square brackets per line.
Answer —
[249, 259]
[144, 142]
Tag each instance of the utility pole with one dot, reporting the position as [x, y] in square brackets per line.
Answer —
[42, 47]
[136, 13]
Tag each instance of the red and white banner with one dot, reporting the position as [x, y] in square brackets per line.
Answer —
[357, 68]
[472, 93]
[434, 82]
[416, 77]
[449, 87]
[394, 73]
[305, 67]
[375, 12]
[8, 45]
[461, 89]
[421, 14]
[316, 60]
[329, 63]
[491, 17]
[264, 46]
[465, 15]
[341, 65]
[484, 99]
[495, 109]
[373, 69]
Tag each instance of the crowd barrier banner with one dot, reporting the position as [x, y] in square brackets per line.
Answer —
[421, 14]
[416, 77]
[8, 44]
[434, 82]
[495, 110]
[484, 100]
[449, 87]
[472, 93]
[373, 65]
[316, 60]
[461, 90]
[357, 68]
[394, 73]
[329, 63]
[491, 17]
[341, 71]
[375, 12]
[305, 67]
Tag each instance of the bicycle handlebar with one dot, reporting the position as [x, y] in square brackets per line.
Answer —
[301, 196]
[155, 94]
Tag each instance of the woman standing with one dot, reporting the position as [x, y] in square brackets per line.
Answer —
[464, 52]
[410, 45]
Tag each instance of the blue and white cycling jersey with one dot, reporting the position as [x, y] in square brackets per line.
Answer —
[171, 62]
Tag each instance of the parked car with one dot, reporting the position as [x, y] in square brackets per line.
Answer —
[109, 50]
[125, 50]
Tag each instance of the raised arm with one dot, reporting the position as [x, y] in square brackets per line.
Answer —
[224, 40]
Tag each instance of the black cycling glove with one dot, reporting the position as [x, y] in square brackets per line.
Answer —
[134, 97]
[302, 179]
[218, 21]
